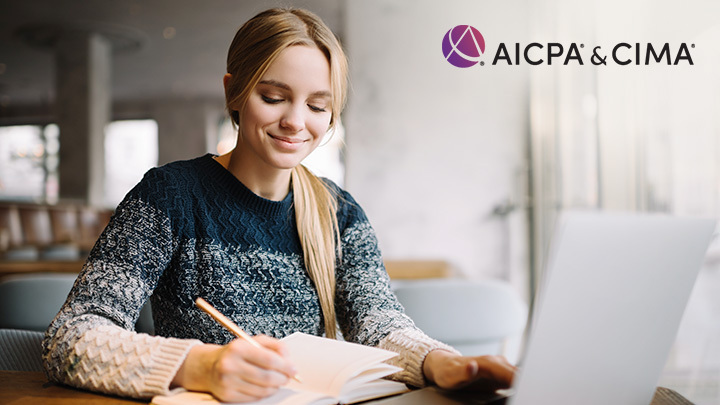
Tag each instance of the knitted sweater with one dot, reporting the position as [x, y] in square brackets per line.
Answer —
[190, 229]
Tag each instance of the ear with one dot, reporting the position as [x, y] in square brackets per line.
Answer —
[226, 80]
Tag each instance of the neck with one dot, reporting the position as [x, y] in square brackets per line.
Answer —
[270, 183]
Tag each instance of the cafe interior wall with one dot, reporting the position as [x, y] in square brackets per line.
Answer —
[436, 154]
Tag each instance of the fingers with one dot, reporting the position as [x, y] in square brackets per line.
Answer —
[273, 344]
[462, 372]
[472, 368]
[241, 391]
[481, 372]
[263, 365]
[244, 372]
[496, 368]
[279, 356]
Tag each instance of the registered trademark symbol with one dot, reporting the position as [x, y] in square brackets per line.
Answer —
[692, 45]
[582, 45]
[482, 63]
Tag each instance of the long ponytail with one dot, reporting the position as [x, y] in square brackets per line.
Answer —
[315, 215]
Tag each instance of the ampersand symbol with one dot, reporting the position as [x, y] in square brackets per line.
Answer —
[596, 59]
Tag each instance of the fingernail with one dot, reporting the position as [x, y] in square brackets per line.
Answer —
[473, 368]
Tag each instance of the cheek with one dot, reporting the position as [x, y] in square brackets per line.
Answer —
[259, 114]
[319, 125]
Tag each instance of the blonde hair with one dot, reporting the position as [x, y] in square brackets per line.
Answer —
[255, 47]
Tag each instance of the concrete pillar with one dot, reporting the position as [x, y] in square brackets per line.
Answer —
[83, 69]
[186, 129]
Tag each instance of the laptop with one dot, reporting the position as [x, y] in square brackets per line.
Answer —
[606, 314]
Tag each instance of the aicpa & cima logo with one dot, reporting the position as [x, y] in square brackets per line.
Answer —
[463, 47]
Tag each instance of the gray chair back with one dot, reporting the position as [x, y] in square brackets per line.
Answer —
[20, 350]
[475, 317]
[31, 301]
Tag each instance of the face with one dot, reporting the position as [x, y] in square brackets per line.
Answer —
[289, 111]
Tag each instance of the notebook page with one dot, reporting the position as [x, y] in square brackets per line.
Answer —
[375, 373]
[325, 365]
[284, 396]
[372, 390]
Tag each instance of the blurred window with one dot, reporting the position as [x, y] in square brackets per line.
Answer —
[29, 160]
[131, 149]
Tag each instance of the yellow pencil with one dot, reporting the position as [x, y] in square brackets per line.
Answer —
[229, 325]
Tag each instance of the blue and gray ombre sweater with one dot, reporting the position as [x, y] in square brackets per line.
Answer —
[190, 229]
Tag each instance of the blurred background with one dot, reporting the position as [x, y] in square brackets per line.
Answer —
[462, 171]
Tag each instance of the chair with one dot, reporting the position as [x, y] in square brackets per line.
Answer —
[31, 301]
[144, 323]
[92, 221]
[65, 235]
[65, 224]
[475, 317]
[36, 225]
[21, 350]
[13, 247]
[10, 220]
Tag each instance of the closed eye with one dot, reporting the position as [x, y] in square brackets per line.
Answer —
[316, 109]
[271, 100]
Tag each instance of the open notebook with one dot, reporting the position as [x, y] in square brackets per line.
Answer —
[332, 371]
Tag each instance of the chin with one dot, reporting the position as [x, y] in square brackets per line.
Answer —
[286, 164]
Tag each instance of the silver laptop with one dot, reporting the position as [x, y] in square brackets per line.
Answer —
[607, 313]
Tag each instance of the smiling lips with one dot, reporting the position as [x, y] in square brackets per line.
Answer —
[287, 143]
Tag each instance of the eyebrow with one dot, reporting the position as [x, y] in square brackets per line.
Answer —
[275, 83]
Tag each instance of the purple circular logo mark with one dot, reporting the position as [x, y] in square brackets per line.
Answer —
[463, 45]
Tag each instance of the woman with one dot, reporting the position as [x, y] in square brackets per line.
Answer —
[270, 245]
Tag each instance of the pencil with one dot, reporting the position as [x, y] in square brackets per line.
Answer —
[230, 325]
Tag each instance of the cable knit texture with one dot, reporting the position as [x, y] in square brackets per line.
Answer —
[190, 229]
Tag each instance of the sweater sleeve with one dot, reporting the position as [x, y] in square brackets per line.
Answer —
[91, 343]
[368, 311]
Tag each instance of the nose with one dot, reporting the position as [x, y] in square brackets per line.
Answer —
[293, 119]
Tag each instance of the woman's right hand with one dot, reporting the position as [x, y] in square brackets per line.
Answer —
[238, 371]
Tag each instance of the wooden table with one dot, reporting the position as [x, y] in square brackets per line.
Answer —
[9, 267]
[33, 388]
[397, 269]
[417, 269]
[435, 396]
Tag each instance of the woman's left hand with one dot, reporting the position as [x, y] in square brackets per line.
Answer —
[451, 371]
